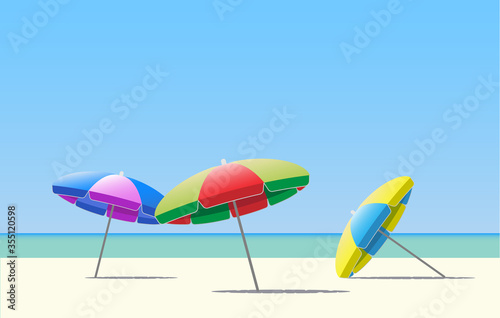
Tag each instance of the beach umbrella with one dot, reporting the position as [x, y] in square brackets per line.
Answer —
[115, 196]
[236, 189]
[371, 225]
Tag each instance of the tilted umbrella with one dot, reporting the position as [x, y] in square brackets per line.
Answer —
[371, 225]
[236, 189]
[115, 196]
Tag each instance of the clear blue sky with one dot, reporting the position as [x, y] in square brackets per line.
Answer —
[357, 114]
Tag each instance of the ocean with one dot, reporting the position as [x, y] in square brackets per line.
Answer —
[231, 245]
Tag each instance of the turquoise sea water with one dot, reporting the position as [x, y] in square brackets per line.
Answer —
[230, 245]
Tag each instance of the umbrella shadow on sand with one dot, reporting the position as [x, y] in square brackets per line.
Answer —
[410, 277]
[281, 291]
[132, 277]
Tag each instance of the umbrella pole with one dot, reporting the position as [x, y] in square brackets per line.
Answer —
[104, 242]
[407, 250]
[246, 246]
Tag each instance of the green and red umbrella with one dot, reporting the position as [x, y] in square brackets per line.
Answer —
[236, 189]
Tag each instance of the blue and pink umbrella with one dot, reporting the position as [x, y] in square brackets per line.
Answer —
[116, 196]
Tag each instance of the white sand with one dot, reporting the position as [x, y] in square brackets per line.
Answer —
[58, 288]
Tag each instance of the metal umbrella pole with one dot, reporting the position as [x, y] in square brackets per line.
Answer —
[246, 246]
[409, 252]
[104, 242]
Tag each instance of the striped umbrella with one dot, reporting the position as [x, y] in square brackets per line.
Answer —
[115, 196]
[236, 189]
[371, 225]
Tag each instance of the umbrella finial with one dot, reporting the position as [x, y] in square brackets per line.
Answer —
[121, 173]
[223, 161]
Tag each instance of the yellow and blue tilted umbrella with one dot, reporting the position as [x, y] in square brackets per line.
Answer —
[371, 225]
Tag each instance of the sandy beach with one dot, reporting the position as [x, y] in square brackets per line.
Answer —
[204, 287]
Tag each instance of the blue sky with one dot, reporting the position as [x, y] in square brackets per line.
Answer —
[353, 118]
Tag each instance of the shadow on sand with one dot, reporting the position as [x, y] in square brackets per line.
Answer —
[281, 291]
[411, 277]
[131, 277]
